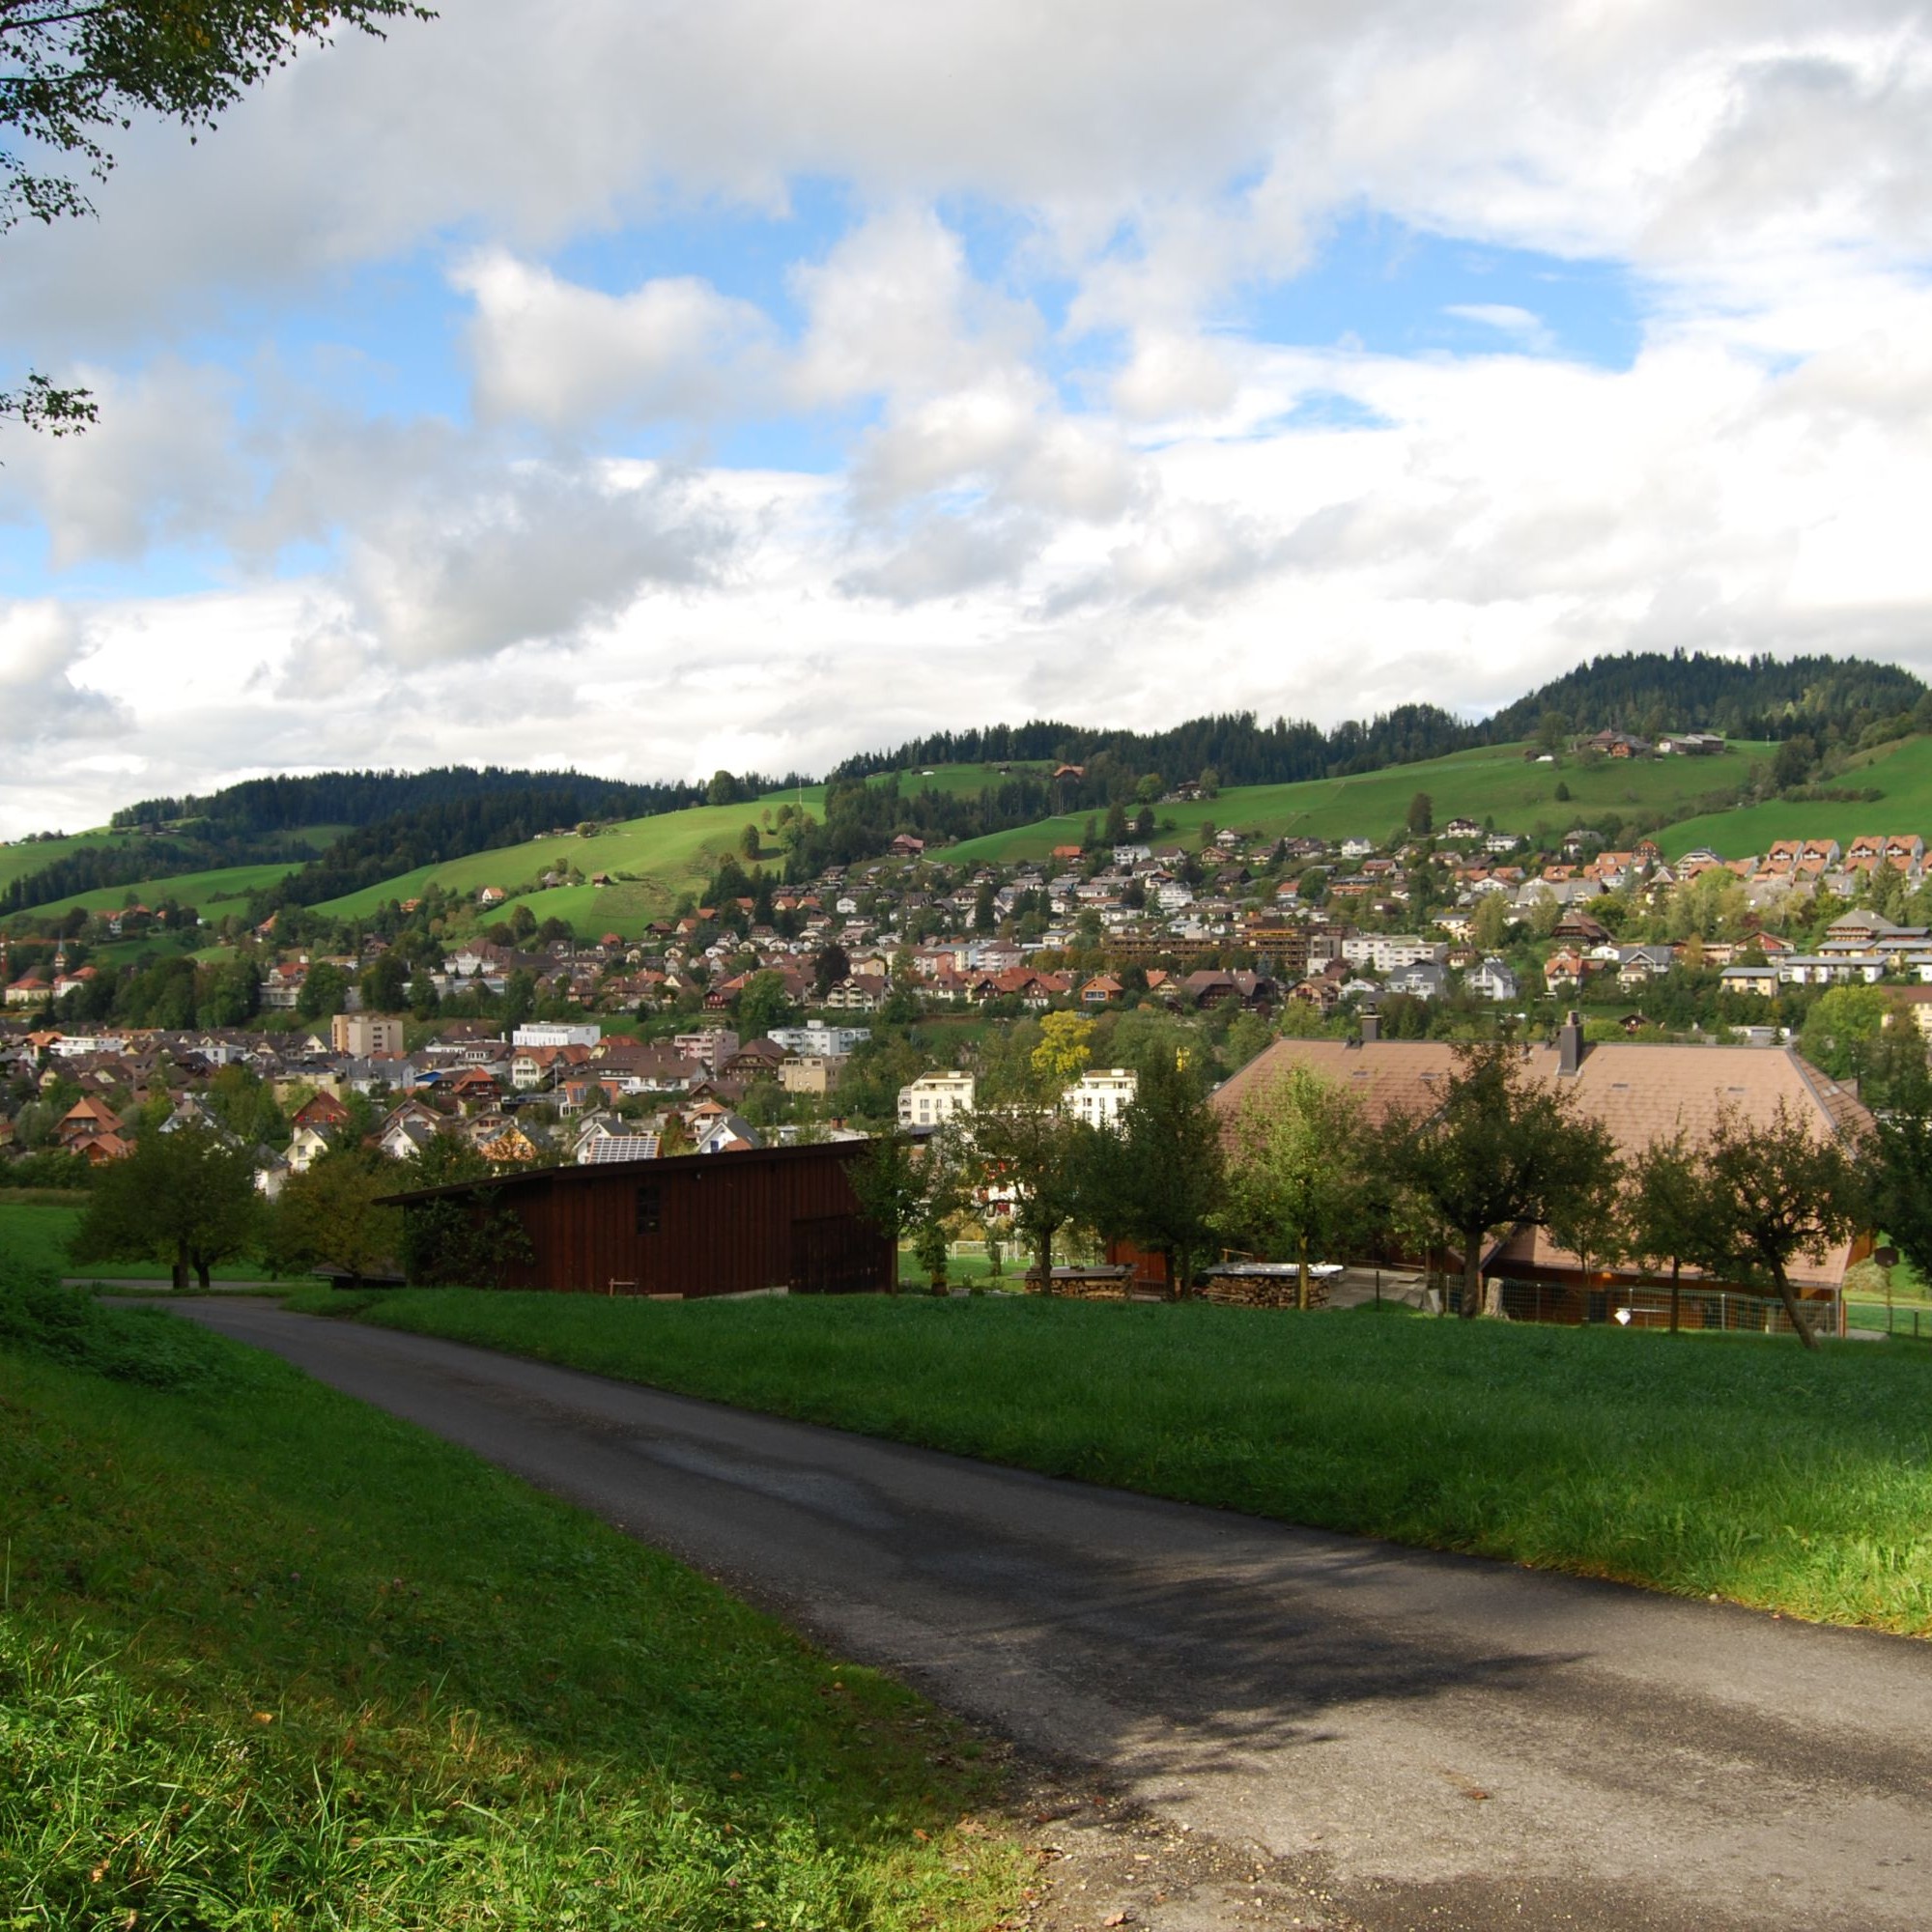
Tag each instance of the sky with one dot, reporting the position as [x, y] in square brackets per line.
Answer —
[652, 387]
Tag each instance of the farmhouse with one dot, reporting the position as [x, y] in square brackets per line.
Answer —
[693, 1225]
[1642, 1094]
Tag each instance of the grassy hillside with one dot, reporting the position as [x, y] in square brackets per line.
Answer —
[667, 854]
[271, 1659]
[1902, 771]
[1496, 781]
[225, 889]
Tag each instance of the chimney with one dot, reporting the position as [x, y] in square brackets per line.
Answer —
[1372, 1028]
[1570, 1043]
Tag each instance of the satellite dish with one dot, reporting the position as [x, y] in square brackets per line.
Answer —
[1886, 1258]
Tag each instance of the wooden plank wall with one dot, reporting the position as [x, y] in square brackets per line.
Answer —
[725, 1225]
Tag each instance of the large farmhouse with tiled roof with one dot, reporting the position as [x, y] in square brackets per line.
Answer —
[1641, 1092]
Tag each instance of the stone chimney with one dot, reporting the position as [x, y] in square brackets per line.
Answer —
[1570, 1043]
[1372, 1028]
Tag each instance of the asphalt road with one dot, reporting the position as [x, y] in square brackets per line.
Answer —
[1395, 1738]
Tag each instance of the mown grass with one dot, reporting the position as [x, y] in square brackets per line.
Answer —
[1728, 1466]
[37, 1232]
[271, 1659]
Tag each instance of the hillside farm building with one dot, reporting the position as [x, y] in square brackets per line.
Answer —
[693, 1225]
[1642, 1094]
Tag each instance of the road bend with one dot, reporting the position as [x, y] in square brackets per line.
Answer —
[1426, 1740]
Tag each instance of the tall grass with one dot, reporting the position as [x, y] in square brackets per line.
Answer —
[1728, 1466]
[269, 1659]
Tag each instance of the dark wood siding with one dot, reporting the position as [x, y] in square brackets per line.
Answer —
[696, 1225]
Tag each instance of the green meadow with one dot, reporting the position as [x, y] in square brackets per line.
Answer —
[1901, 771]
[1735, 1466]
[1495, 782]
[271, 1659]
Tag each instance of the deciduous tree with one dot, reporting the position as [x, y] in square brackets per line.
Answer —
[1501, 1148]
[1297, 1171]
[187, 1198]
[1773, 1192]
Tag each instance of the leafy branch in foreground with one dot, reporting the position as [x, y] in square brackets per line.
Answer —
[72, 72]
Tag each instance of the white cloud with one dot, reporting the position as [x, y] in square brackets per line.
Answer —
[41, 645]
[551, 352]
[1056, 467]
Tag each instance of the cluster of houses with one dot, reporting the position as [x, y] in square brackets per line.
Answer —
[470, 1081]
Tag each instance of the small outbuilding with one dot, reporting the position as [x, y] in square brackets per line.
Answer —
[692, 1226]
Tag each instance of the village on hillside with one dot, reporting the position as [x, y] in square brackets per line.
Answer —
[898, 993]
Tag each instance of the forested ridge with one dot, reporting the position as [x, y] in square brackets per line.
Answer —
[1741, 698]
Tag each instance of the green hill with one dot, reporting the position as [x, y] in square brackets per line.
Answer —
[1495, 782]
[224, 889]
[1901, 771]
[650, 861]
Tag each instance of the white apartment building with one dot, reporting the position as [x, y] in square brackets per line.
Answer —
[1101, 1095]
[935, 1099]
[816, 1037]
[556, 1033]
[1385, 951]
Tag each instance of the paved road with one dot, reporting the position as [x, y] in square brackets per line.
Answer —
[1421, 1740]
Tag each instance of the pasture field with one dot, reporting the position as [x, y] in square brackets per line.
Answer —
[1902, 771]
[223, 889]
[271, 1658]
[1735, 1466]
[36, 1233]
[1493, 782]
[668, 853]
[651, 861]
[17, 861]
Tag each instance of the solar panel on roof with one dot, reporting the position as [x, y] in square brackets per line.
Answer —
[620, 1146]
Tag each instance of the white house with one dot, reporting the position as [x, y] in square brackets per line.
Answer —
[1101, 1095]
[935, 1099]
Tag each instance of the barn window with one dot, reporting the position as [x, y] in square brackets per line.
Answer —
[648, 1210]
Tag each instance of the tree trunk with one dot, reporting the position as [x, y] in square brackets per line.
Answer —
[1044, 1250]
[1301, 1280]
[1792, 1309]
[180, 1270]
[1472, 1273]
[201, 1273]
[1676, 1291]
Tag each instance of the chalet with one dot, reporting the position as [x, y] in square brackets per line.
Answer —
[1639, 1091]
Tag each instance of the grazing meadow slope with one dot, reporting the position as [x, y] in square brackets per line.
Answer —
[1739, 1468]
[1900, 771]
[269, 1658]
[1495, 782]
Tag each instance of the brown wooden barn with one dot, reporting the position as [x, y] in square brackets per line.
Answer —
[691, 1225]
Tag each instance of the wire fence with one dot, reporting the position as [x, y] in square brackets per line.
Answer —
[1894, 1317]
[1717, 1310]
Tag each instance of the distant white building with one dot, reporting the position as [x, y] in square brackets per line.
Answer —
[817, 1036]
[935, 1099]
[557, 1032]
[1385, 951]
[1101, 1095]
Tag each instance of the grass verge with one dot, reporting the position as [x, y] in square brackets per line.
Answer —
[1726, 1466]
[271, 1659]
